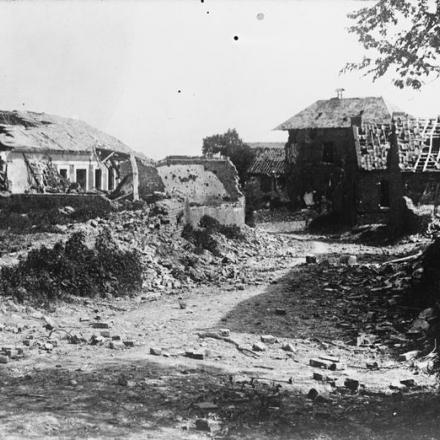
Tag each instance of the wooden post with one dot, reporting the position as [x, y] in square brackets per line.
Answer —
[135, 171]
[395, 185]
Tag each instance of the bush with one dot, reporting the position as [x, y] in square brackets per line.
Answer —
[201, 239]
[73, 269]
[233, 232]
[209, 222]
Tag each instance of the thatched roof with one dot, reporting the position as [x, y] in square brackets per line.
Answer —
[337, 113]
[31, 131]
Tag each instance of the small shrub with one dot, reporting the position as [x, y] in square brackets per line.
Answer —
[201, 239]
[233, 232]
[73, 269]
[209, 222]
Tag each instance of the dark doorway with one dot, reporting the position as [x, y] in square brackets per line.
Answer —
[328, 152]
[81, 178]
[266, 183]
[111, 179]
[98, 179]
[384, 193]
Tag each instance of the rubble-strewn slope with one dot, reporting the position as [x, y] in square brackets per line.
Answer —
[169, 261]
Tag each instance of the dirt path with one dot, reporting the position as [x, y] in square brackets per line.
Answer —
[92, 391]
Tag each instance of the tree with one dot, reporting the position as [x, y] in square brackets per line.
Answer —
[402, 36]
[231, 145]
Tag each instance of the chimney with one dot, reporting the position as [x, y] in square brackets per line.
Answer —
[339, 93]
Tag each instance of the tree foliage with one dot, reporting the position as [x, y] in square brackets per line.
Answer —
[231, 145]
[401, 36]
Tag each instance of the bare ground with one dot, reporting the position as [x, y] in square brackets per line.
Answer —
[85, 391]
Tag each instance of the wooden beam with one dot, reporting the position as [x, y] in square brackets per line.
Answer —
[135, 171]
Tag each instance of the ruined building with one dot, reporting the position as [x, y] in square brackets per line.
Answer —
[206, 186]
[339, 158]
[266, 182]
[42, 153]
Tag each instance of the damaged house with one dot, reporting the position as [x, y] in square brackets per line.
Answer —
[266, 181]
[42, 153]
[339, 157]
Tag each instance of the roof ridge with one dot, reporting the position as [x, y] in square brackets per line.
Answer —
[338, 112]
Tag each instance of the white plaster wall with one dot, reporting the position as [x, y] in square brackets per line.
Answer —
[205, 187]
[225, 213]
[17, 175]
[83, 165]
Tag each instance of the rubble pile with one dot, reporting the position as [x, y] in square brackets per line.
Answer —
[172, 262]
[395, 299]
[169, 261]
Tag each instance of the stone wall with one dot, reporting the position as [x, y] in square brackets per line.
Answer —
[209, 187]
[201, 180]
[192, 181]
[414, 186]
[368, 190]
[323, 161]
[226, 213]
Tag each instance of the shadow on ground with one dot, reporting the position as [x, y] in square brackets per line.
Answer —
[327, 303]
[293, 306]
[151, 400]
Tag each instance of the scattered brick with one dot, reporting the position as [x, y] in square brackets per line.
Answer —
[258, 346]
[321, 363]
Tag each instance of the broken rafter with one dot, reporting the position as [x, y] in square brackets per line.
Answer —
[108, 157]
[404, 259]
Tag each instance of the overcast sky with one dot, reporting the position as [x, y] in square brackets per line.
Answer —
[161, 75]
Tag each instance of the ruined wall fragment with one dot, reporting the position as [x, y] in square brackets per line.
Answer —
[209, 187]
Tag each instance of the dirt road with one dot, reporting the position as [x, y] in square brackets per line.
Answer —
[92, 391]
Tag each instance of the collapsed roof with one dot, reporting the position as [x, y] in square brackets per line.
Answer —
[338, 112]
[418, 140]
[41, 132]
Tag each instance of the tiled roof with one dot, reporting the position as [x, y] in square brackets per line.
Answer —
[338, 112]
[418, 140]
[31, 131]
[269, 161]
[258, 145]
